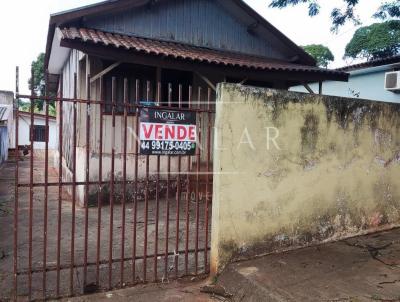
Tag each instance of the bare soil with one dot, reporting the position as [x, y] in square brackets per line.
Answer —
[7, 189]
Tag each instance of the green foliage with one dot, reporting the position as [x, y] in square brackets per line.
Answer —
[39, 87]
[378, 40]
[320, 53]
[26, 106]
[38, 74]
[339, 16]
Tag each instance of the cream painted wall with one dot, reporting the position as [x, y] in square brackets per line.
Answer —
[334, 174]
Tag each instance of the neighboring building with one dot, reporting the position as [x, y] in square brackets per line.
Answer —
[39, 131]
[196, 43]
[7, 123]
[7, 99]
[6, 118]
[366, 81]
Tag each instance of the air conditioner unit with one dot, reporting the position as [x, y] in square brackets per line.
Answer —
[392, 81]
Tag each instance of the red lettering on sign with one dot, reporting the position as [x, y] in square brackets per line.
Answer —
[169, 132]
[147, 132]
[192, 133]
[181, 132]
[158, 130]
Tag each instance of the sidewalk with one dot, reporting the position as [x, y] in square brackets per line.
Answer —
[359, 269]
[365, 268]
[183, 290]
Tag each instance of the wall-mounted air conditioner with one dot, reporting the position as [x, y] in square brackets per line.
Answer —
[392, 81]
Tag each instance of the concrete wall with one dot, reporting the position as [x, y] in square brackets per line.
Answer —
[365, 85]
[331, 173]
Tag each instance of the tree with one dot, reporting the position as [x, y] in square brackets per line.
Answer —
[376, 41]
[39, 87]
[38, 74]
[339, 16]
[320, 53]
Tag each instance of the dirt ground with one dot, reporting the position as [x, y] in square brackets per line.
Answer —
[365, 268]
[6, 238]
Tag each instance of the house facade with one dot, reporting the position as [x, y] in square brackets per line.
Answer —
[7, 120]
[39, 131]
[165, 53]
[366, 81]
[6, 112]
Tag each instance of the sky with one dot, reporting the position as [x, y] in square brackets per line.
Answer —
[24, 24]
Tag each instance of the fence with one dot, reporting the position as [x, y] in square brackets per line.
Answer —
[96, 215]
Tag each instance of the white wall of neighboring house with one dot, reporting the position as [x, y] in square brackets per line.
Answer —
[7, 98]
[367, 83]
[24, 123]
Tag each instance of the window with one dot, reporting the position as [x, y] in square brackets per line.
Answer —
[39, 133]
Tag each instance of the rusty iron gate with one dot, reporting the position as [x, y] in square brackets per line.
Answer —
[95, 214]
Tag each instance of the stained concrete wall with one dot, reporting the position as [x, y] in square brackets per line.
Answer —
[332, 172]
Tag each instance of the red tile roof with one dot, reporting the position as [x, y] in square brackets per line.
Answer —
[187, 52]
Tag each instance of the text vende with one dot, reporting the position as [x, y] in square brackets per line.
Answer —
[167, 132]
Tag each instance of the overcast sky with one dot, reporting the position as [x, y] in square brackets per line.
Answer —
[24, 23]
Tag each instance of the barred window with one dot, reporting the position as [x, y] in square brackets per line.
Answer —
[39, 133]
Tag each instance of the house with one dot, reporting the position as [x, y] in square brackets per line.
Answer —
[166, 51]
[39, 131]
[366, 81]
[6, 124]
[6, 114]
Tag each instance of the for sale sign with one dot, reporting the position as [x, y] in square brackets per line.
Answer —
[166, 132]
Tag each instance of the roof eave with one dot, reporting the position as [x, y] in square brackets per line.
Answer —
[107, 51]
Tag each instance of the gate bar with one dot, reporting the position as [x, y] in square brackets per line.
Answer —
[110, 252]
[100, 185]
[178, 194]
[136, 181]
[52, 268]
[71, 275]
[60, 186]
[88, 112]
[83, 101]
[157, 214]
[197, 187]
[16, 201]
[46, 179]
[207, 180]
[32, 103]
[189, 159]
[167, 198]
[146, 199]
[124, 180]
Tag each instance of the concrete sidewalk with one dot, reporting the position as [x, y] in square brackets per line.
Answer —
[182, 290]
[365, 268]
